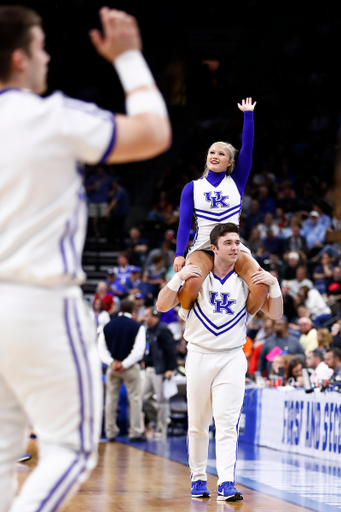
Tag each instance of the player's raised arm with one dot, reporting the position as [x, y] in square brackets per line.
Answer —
[169, 295]
[273, 305]
[145, 131]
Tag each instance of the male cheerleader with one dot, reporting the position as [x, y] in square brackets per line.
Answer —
[216, 364]
[50, 374]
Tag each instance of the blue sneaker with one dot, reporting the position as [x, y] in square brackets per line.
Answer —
[199, 489]
[228, 492]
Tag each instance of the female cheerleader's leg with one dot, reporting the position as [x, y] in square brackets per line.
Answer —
[245, 266]
[190, 290]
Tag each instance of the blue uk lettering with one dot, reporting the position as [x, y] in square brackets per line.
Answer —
[217, 200]
[222, 304]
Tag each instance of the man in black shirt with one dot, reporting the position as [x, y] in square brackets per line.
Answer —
[160, 362]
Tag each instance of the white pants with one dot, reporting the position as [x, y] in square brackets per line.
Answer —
[215, 386]
[50, 378]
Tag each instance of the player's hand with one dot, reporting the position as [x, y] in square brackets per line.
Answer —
[189, 271]
[179, 262]
[120, 33]
[263, 277]
[247, 105]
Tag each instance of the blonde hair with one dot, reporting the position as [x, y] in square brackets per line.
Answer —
[232, 151]
[326, 337]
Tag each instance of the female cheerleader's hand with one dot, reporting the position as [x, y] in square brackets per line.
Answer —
[189, 271]
[179, 262]
[247, 105]
[263, 277]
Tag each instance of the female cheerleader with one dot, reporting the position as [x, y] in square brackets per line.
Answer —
[217, 198]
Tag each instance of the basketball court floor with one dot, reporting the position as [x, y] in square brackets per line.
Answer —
[154, 476]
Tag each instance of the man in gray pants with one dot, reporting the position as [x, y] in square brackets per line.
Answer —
[160, 362]
[121, 346]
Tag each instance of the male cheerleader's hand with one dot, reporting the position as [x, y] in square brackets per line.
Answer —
[247, 105]
[179, 262]
[168, 374]
[120, 33]
[189, 271]
[263, 277]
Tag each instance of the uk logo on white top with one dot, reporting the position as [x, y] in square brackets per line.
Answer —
[216, 199]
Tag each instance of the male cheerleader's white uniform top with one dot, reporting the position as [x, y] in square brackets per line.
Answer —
[218, 318]
[43, 211]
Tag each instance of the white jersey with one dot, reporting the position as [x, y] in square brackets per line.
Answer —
[212, 206]
[43, 210]
[218, 318]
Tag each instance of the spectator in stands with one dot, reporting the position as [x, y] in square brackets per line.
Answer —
[266, 203]
[160, 363]
[98, 187]
[308, 338]
[255, 243]
[290, 268]
[165, 251]
[301, 280]
[289, 309]
[320, 207]
[136, 248]
[109, 304]
[140, 306]
[274, 265]
[333, 289]
[314, 233]
[301, 311]
[114, 285]
[262, 335]
[123, 270]
[121, 347]
[323, 273]
[295, 365]
[268, 224]
[272, 243]
[295, 243]
[135, 285]
[315, 361]
[102, 317]
[332, 359]
[156, 274]
[117, 213]
[280, 342]
[324, 338]
[254, 217]
[336, 334]
[318, 310]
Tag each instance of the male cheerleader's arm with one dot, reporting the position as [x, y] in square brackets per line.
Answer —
[273, 305]
[145, 131]
[169, 295]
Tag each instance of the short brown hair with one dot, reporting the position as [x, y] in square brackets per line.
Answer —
[221, 230]
[15, 24]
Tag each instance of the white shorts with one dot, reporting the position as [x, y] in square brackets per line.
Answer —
[97, 209]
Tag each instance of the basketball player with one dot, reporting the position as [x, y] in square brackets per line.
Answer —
[216, 364]
[217, 198]
[50, 374]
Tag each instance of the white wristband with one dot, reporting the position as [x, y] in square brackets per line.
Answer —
[275, 290]
[132, 70]
[134, 73]
[175, 283]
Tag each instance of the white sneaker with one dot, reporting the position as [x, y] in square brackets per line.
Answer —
[183, 313]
